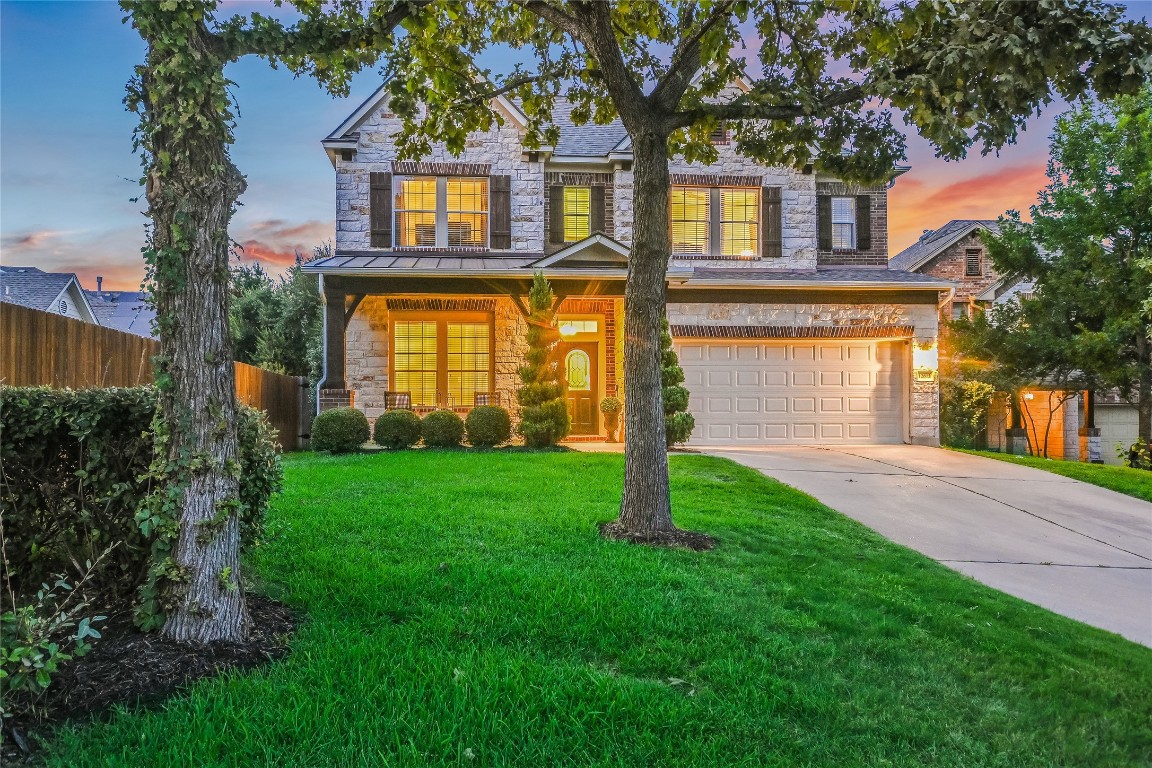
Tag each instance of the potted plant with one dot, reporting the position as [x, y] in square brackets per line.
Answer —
[611, 407]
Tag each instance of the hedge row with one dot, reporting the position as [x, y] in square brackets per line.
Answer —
[75, 471]
[341, 430]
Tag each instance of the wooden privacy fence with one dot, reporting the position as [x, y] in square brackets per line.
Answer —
[42, 349]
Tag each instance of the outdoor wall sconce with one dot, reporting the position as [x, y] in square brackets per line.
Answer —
[925, 361]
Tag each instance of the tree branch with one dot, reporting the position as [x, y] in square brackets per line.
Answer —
[311, 36]
[685, 62]
[742, 109]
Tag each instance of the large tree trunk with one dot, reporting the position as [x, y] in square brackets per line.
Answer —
[192, 191]
[646, 505]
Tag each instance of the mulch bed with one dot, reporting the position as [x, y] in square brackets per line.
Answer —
[135, 669]
[675, 538]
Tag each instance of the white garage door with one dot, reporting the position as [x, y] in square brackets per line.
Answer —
[1119, 425]
[774, 392]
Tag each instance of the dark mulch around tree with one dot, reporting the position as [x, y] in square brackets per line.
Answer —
[128, 667]
[676, 538]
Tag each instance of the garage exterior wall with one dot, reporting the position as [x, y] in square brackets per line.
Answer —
[923, 414]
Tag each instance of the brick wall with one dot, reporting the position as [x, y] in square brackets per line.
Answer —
[951, 264]
[877, 255]
[576, 179]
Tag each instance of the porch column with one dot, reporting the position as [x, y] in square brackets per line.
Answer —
[1072, 429]
[333, 391]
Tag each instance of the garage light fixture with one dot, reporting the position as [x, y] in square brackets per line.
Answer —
[925, 361]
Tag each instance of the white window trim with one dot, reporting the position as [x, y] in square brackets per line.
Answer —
[442, 214]
[853, 240]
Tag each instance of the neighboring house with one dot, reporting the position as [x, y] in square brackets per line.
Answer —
[789, 323]
[56, 292]
[955, 252]
[127, 311]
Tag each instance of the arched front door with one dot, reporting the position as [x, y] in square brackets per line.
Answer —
[581, 379]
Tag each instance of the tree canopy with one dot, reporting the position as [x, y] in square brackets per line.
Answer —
[1087, 251]
[820, 85]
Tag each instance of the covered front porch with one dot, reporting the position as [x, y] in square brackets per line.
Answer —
[423, 344]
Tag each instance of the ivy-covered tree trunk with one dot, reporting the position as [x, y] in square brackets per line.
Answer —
[192, 189]
[646, 504]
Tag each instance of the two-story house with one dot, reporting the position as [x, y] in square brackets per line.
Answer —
[788, 321]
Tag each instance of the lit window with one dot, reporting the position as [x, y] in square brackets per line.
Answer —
[739, 222]
[439, 211]
[844, 223]
[414, 360]
[690, 220]
[720, 222]
[442, 362]
[577, 213]
[972, 262]
[573, 327]
[468, 361]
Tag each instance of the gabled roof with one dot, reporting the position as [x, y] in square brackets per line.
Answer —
[932, 244]
[596, 250]
[34, 288]
[345, 132]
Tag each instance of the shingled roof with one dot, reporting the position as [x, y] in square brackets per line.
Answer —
[932, 244]
[588, 140]
[34, 288]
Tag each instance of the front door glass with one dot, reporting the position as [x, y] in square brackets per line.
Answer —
[577, 367]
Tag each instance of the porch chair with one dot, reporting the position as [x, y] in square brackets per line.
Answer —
[395, 400]
[482, 398]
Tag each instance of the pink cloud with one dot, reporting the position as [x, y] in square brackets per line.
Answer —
[920, 203]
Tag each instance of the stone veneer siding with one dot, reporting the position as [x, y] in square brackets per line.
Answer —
[798, 198]
[950, 264]
[877, 255]
[500, 148]
[924, 411]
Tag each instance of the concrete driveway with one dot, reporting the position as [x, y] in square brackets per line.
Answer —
[1074, 548]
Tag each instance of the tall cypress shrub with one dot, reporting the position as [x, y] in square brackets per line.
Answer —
[543, 412]
[678, 423]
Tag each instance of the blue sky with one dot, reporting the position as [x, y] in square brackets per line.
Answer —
[68, 174]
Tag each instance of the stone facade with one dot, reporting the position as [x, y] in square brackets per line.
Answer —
[951, 264]
[500, 148]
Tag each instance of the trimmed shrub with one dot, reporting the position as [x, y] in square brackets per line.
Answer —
[678, 423]
[488, 425]
[399, 428]
[75, 473]
[544, 417]
[339, 430]
[442, 429]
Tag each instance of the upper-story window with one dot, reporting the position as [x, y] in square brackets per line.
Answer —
[844, 223]
[577, 213]
[441, 211]
[715, 221]
[972, 262]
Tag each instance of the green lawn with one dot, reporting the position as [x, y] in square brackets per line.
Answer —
[462, 610]
[1133, 482]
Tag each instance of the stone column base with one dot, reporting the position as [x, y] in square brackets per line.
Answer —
[1092, 448]
[327, 399]
[1017, 441]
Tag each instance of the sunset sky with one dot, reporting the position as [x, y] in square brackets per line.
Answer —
[68, 175]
